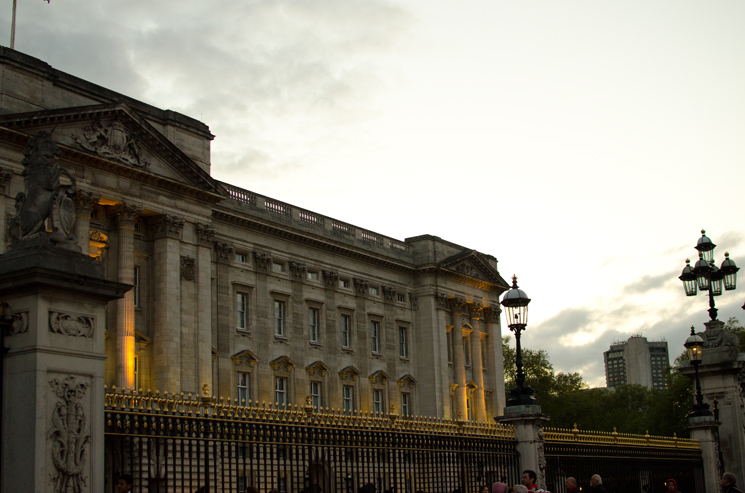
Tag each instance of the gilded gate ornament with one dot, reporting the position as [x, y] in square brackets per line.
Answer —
[69, 435]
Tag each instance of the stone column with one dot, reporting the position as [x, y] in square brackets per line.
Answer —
[166, 233]
[5, 178]
[457, 308]
[719, 373]
[126, 215]
[477, 366]
[54, 370]
[83, 203]
[703, 429]
[224, 255]
[528, 424]
[204, 235]
[495, 359]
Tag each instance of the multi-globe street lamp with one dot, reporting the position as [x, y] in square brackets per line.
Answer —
[695, 345]
[515, 302]
[706, 276]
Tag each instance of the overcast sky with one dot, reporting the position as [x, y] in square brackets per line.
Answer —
[582, 143]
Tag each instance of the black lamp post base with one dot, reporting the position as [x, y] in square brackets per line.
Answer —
[521, 396]
[700, 410]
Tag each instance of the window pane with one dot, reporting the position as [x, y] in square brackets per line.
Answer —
[348, 398]
[375, 336]
[313, 324]
[377, 401]
[403, 349]
[279, 318]
[345, 326]
[241, 310]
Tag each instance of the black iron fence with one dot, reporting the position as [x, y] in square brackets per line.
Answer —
[172, 443]
[625, 463]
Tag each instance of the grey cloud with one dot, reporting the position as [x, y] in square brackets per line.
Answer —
[649, 283]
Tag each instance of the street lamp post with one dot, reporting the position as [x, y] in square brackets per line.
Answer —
[516, 302]
[695, 345]
[706, 276]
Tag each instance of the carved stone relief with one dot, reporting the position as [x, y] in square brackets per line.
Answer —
[298, 271]
[84, 201]
[114, 141]
[442, 301]
[389, 293]
[99, 242]
[46, 199]
[18, 323]
[413, 298]
[205, 234]
[467, 269]
[361, 286]
[188, 268]
[457, 304]
[69, 434]
[71, 325]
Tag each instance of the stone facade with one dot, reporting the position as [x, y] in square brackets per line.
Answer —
[239, 295]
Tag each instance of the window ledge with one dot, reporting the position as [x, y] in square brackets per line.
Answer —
[281, 339]
[403, 360]
[315, 345]
[377, 355]
[347, 350]
[243, 332]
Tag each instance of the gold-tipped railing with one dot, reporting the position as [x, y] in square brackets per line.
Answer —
[188, 405]
[615, 438]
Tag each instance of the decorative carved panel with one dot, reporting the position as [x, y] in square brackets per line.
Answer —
[205, 234]
[330, 279]
[166, 226]
[361, 286]
[389, 293]
[113, 141]
[69, 434]
[71, 325]
[298, 271]
[263, 261]
[188, 268]
[18, 324]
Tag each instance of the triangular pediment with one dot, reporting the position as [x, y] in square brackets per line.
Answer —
[379, 377]
[349, 373]
[473, 264]
[317, 368]
[245, 358]
[117, 135]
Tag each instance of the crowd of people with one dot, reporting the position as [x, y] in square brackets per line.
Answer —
[527, 485]
[529, 479]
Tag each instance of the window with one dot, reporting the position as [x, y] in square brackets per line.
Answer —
[401, 298]
[405, 404]
[313, 324]
[136, 283]
[403, 342]
[483, 354]
[311, 276]
[346, 325]
[348, 398]
[282, 484]
[241, 311]
[280, 391]
[279, 318]
[344, 283]
[241, 257]
[469, 412]
[277, 267]
[374, 291]
[377, 401]
[375, 335]
[244, 388]
[467, 351]
[315, 395]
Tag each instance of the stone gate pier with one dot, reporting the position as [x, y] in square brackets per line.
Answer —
[54, 328]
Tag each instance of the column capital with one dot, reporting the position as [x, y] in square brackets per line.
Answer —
[224, 252]
[262, 261]
[457, 304]
[330, 279]
[475, 310]
[126, 214]
[298, 270]
[491, 314]
[389, 293]
[205, 234]
[413, 299]
[166, 226]
[361, 286]
[84, 201]
[442, 301]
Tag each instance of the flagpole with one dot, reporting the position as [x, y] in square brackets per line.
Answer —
[13, 28]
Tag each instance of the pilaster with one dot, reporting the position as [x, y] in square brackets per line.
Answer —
[495, 358]
[457, 309]
[527, 422]
[477, 366]
[5, 178]
[224, 255]
[166, 233]
[204, 235]
[703, 429]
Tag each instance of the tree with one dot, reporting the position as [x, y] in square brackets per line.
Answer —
[734, 325]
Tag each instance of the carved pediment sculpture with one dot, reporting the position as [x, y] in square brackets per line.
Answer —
[282, 365]
[407, 381]
[245, 358]
[350, 373]
[379, 377]
[317, 368]
[46, 199]
[113, 141]
[467, 269]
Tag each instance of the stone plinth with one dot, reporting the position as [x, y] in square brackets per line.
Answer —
[53, 379]
[703, 429]
[528, 424]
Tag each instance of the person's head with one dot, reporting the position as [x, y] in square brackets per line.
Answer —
[570, 482]
[498, 487]
[596, 480]
[728, 479]
[519, 488]
[124, 484]
[484, 489]
[672, 486]
[528, 477]
[251, 489]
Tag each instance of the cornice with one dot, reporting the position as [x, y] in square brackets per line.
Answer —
[310, 240]
[460, 278]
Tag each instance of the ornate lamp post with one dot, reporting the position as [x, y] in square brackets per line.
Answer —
[706, 276]
[695, 345]
[516, 302]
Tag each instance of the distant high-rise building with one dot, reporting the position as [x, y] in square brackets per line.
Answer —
[637, 361]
